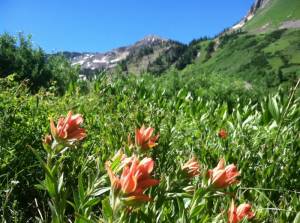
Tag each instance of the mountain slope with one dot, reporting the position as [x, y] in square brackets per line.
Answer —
[274, 14]
[252, 52]
[265, 60]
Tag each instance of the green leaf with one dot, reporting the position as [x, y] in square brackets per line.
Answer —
[81, 188]
[92, 202]
[297, 218]
[40, 186]
[196, 210]
[82, 219]
[50, 185]
[107, 210]
[115, 164]
[101, 191]
[60, 182]
[43, 164]
[218, 218]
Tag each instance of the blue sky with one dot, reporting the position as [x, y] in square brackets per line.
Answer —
[98, 25]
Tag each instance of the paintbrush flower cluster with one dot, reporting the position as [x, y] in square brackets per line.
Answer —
[131, 173]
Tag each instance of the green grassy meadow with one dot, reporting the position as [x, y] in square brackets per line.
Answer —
[263, 142]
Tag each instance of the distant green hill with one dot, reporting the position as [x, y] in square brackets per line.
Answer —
[275, 14]
[238, 63]
[267, 59]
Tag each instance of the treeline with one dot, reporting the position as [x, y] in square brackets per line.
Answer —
[30, 64]
[179, 56]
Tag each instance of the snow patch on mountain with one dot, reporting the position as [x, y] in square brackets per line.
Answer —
[108, 60]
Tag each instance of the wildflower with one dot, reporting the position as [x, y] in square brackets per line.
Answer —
[191, 167]
[143, 138]
[223, 134]
[134, 180]
[237, 214]
[68, 128]
[47, 139]
[222, 176]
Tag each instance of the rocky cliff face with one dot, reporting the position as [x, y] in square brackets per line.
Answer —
[258, 4]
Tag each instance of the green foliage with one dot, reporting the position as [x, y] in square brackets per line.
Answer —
[210, 49]
[179, 55]
[62, 72]
[186, 58]
[165, 60]
[18, 56]
[263, 141]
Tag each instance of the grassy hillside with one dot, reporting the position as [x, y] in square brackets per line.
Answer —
[274, 14]
[264, 60]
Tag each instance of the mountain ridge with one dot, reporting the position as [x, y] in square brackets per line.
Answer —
[155, 54]
[94, 61]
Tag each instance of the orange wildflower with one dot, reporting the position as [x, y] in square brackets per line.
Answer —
[144, 138]
[223, 134]
[222, 176]
[191, 167]
[237, 214]
[68, 128]
[134, 180]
